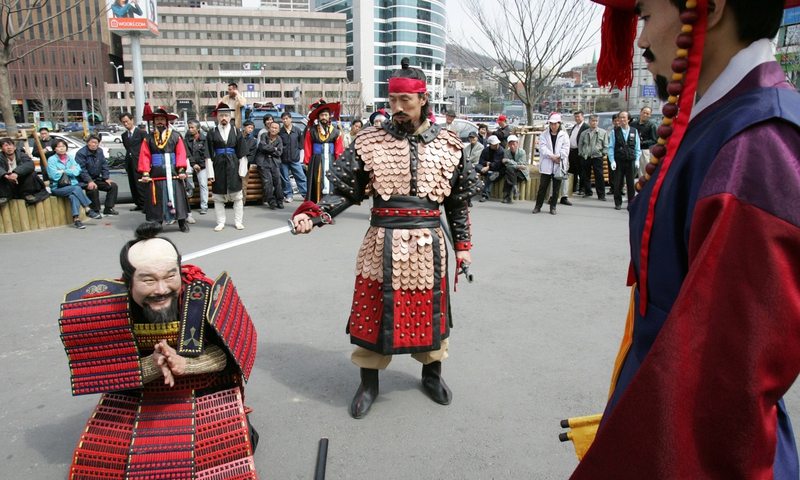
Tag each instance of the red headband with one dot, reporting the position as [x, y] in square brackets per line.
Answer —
[407, 85]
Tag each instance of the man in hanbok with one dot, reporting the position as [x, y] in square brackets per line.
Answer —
[323, 144]
[162, 164]
[227, 166]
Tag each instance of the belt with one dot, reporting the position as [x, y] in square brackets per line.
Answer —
[224, 151]
[405, 212]
[157, 157]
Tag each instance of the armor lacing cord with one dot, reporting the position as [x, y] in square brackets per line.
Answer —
[190, 273]
[213, 359]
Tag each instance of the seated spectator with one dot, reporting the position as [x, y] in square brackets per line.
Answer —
[95, 177]
[483, 133]
[490, 165]
[17, 176]
[64, 173]
[516, 165]
[268, 159]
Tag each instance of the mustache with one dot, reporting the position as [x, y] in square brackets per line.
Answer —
[159, 298]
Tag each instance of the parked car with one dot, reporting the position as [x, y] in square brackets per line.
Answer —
[75, 144]
[72, 127]
[111, 137]
[463, 128]
[180, 126]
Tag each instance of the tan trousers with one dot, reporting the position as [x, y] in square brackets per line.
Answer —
[644, 160]
[364, 358]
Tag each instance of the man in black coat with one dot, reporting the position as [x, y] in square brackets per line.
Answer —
[132, 141]
[578, 166]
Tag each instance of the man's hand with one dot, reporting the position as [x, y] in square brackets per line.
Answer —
[91, 185]
[196, 168]
[161, 363]
[182, 176]
[146, 179]
[174, 362]
[12, 177]
[485, 169]
[464, 256]
[211, 179]
[302, 223]
[109, 181]
[614, 166]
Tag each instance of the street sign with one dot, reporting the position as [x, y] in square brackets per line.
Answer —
[648, 90]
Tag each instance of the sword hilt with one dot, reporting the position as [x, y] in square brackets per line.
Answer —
[322, 219]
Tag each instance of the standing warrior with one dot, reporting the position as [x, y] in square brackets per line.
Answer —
[323, 145]
[169, 350]
[401, 303]
[162, 163]
[227, 166]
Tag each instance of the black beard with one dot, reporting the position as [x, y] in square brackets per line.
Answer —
[661, 88]
[161, 128]
[323, 123]
[169, 314]
[404, 125]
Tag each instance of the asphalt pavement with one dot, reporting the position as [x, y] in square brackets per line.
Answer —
[534, 341]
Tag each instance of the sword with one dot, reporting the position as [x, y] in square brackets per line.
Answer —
[323, 219]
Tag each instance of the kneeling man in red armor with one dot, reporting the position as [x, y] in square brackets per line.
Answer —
[169, 350]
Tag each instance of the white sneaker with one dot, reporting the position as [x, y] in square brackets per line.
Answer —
[239, 226]
[219, 227]
[190, 219]
[287, 200]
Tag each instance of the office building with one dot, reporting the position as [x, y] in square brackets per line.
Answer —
[382, 32]
[286, 58]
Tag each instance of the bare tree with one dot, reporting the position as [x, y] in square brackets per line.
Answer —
[530, 41]
[50, 103]
[353, 101]
[16, 18]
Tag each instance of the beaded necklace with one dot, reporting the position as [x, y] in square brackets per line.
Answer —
[677, 111]
[324, 133]
[157, 137]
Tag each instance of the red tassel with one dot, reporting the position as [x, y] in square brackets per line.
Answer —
[618, 34]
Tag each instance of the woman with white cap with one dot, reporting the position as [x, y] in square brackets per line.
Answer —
[553, 161]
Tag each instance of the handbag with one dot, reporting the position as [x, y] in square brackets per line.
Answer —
[64, 181]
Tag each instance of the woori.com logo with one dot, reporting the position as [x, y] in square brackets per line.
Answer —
[113, 23]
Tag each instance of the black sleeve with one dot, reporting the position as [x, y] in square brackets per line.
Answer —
[465, 184]
[349, 181]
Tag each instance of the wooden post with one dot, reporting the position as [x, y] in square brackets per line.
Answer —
[30, 212]
[43, 209]
[5, 213]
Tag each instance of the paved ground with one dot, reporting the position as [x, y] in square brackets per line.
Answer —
[533, 342]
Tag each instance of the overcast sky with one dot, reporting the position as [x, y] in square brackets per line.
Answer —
[461, 29]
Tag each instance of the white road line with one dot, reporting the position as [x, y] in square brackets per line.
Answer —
[235, 243]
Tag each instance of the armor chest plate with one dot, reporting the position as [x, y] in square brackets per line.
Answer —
[398, 166]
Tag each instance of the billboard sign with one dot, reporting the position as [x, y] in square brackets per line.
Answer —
[649, 91]
[126, 16]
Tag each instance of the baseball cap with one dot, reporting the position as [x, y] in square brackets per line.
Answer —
[473, 135]
[512, 138]
[493, 140]
[502, 118]
[554, 118]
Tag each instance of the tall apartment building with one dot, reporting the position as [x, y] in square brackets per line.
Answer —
[53, 80]
[381, 32]
[279, 57]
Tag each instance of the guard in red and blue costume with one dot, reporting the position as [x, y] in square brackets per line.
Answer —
[712, 342]
[323, 144]
[169, 350]
[411, 168]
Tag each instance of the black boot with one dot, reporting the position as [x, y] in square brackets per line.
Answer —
[366, 394]
[183, 226]
[433, 383]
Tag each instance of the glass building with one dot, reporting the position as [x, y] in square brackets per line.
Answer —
[382, 32]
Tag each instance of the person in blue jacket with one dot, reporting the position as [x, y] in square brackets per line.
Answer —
[63, 165]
